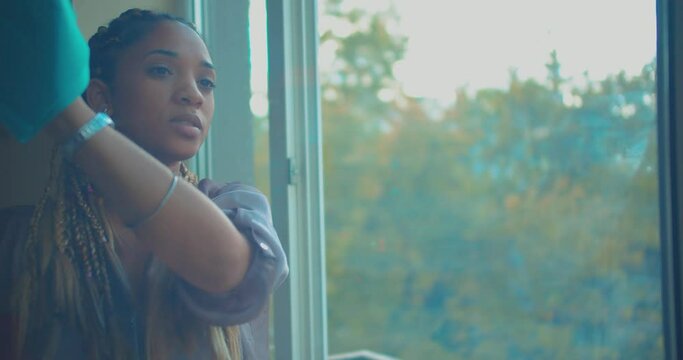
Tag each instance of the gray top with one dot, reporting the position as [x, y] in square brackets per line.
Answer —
[246, 304]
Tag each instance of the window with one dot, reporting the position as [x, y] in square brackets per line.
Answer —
[547, 233]
[491, 179]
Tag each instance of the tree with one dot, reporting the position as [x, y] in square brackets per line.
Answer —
[521, 223]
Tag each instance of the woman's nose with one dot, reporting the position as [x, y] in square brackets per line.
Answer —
[188, 94]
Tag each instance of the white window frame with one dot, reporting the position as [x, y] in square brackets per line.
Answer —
[299, 306]
[201, 162]
[296, 177]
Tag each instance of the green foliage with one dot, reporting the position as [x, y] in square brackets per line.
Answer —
[519, 223]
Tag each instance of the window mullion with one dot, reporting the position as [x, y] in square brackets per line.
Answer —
[296, 178]
[670, 108]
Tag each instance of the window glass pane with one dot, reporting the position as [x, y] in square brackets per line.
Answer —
[258, 104]
[259, 93]
[490, 179]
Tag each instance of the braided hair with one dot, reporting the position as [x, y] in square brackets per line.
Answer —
[110, 41]
[67, 261]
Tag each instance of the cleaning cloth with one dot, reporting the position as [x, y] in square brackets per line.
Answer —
[43, 63]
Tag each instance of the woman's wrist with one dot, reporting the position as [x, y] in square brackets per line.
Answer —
[70, 120]
[75, 141]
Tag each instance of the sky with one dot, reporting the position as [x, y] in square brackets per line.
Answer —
[475, 43]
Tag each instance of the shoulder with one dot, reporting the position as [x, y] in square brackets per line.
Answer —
[213, 188]
[234, 195]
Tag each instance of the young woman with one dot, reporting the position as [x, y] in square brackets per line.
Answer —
[128, 256]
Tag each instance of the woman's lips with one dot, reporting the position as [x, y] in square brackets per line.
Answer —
[188, 125]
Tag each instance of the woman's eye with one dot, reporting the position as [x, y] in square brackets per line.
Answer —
[206, 83]
[159, 71]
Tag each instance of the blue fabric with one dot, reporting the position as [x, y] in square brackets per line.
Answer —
[43, 64]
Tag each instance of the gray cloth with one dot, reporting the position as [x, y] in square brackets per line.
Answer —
[246, 305]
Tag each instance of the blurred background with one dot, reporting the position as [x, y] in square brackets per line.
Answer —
[490, 178]
[490, 170]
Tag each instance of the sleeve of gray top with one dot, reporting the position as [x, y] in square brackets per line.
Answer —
[249, 211]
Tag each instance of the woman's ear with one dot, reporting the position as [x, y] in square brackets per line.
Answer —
[98, 96]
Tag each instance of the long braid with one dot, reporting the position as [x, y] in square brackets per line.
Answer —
[29, 278]
[64, 261]
[76, 246]
[188, 175]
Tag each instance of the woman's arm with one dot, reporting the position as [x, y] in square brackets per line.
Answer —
[189, 233]
[249, 210]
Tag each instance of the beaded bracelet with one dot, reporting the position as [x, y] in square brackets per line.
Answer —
[163, 202]
[88, 130]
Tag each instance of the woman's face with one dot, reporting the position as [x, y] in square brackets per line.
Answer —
[162, 96]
